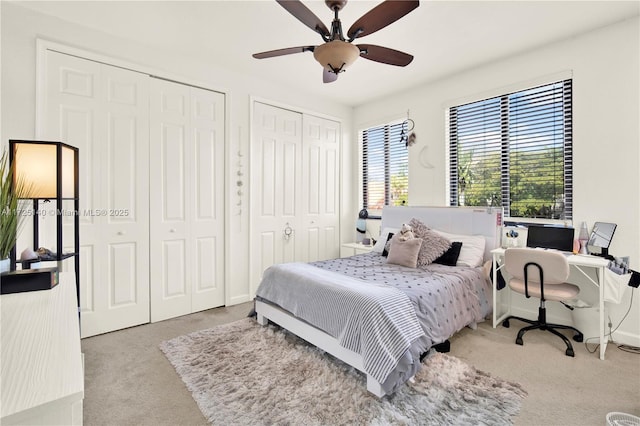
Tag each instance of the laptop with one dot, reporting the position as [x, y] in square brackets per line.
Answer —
[550, 237]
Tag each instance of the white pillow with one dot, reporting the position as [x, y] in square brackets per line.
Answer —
[382, 240]
[472, 251]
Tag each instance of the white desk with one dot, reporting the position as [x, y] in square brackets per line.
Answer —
[581, 263]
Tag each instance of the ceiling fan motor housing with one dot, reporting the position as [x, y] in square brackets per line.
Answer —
[335, 4]
[336, 55]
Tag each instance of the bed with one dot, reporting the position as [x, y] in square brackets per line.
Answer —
[381, 317]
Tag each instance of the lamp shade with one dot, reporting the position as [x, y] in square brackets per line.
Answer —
[49, 168]
[336, 55]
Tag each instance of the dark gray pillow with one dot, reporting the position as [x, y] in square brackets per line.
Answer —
[450, 257]
[385, 251]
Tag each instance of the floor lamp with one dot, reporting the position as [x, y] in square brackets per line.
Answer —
[50, 169]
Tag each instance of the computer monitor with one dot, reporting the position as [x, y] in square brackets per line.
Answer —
[552, 237]
[601, 236]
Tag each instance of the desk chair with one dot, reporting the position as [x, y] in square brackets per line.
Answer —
[542, 274]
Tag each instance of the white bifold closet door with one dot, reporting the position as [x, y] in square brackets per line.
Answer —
[187, 200]
[104, 111]
[151, 190]
[294, 188]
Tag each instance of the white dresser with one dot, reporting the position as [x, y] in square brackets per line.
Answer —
[42, 366]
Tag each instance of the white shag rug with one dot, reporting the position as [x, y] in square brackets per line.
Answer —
[246, 374]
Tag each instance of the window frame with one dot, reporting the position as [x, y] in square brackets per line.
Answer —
[502, 96]
[390, 136]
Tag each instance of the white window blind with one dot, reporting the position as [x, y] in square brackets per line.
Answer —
[515, 151]
[385, 168]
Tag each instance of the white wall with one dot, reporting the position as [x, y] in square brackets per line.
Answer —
[605, 68]
[19, 29]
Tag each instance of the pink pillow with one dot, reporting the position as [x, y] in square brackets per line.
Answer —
[404, 253]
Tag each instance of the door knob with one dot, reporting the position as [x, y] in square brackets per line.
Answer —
[287, 232]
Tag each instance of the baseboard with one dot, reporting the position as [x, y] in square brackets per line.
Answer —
[236, 300]
[625, 338]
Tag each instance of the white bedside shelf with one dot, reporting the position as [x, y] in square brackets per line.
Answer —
[351, 249]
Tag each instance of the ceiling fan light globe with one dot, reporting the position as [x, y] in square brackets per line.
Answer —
[336, 55]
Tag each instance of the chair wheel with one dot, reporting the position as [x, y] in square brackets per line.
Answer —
[569, 352]
[505, 323]
[519, 341]
[579, 337]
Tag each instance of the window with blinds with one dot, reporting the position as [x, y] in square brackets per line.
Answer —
[514, 151]
[385, 168]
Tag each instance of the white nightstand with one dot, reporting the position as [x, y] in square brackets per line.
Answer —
[351, 249]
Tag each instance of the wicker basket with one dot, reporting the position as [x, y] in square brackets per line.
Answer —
[622, 419]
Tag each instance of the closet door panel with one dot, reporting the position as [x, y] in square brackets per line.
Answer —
[267, 243]
[87, 293]
[206, 279]
[170, 161]
[206, 179]
[124, 194]
[172, 178]
[187, 218]
[287, 176]
[77, 128]
[103, 110]
[313, 180]
[312, 243]
[266, 200]
[275, 204]
[122, 160]
[207, 205]
[174, 261]
[123, 257]
[320, 155]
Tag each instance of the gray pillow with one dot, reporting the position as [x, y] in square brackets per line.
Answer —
[404, 253]
[433, 246]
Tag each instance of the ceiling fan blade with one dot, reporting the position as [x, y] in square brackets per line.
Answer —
[304, 15]
[328, 76]
[384, 55]
[282, 52]
[381, 16]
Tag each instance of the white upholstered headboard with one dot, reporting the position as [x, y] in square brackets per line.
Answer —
[483, 221]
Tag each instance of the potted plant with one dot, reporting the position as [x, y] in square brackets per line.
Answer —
[11, 218]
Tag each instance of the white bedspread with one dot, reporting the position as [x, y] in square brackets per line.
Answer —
[375, 320]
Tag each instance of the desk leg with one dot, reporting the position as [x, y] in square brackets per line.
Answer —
[497, 316]
[494, 290]
[603, 339]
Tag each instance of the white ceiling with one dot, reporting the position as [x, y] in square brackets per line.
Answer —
[445, 37]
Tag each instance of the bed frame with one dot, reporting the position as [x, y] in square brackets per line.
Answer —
[456, 220]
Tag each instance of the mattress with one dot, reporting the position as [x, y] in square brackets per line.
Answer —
[446, 298]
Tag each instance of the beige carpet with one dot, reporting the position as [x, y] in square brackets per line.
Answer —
[128, 380]
[243, 373]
